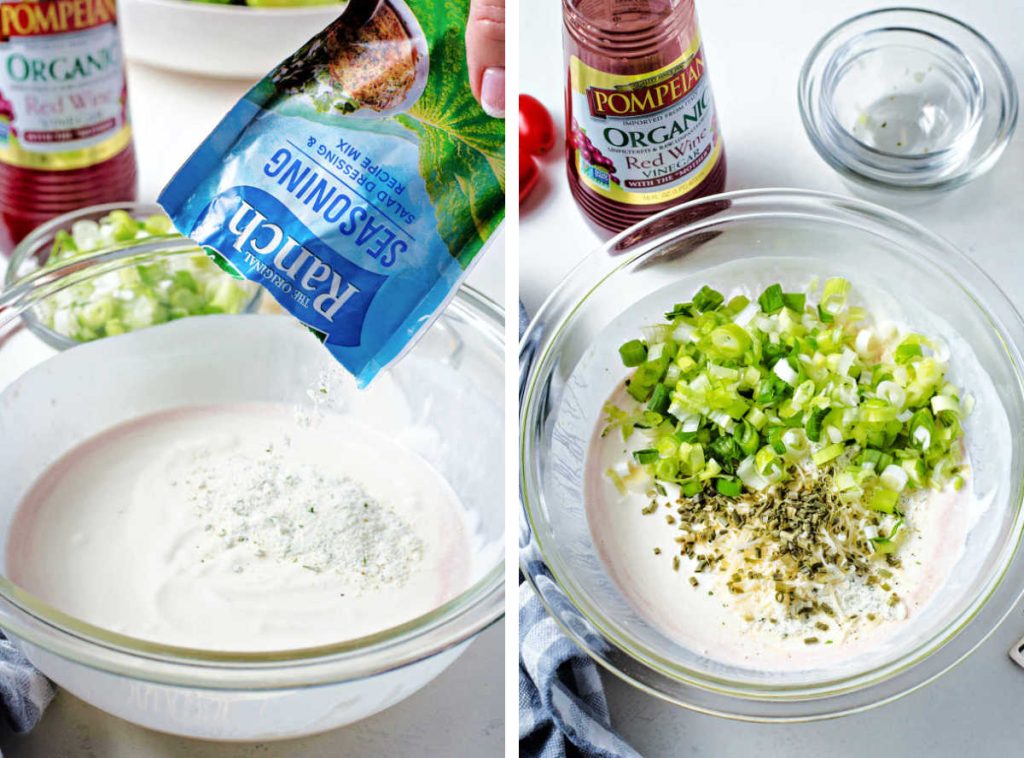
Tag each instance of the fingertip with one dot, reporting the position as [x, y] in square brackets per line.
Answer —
[485, 42]
[492, 92]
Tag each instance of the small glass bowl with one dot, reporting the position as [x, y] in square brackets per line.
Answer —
[28, 259]
[907, 100]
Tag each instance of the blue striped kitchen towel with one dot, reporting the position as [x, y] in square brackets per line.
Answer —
[562, 708]
[24, 692]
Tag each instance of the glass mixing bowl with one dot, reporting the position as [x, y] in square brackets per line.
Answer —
[453, 382]
[570, 365]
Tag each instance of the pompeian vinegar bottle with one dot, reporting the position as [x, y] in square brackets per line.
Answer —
[65, 139]
[642, 133]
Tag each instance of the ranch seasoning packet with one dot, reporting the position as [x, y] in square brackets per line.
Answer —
[357, 182]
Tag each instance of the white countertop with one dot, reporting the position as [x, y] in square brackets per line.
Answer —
[754, 53]
[460, 713]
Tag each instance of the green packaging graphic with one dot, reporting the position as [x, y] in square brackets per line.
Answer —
[357, 182]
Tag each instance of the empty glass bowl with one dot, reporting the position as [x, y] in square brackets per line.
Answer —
[907, 100]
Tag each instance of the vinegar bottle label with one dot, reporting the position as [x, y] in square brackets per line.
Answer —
[63, 100]
[644, 139]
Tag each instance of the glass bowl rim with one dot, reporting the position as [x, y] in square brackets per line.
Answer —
[31, 620]
[542, 337]
[47, 230]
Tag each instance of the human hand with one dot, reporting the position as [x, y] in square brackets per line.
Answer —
[485, 54]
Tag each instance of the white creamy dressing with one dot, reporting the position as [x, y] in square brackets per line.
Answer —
[737, 630]
[233, 527]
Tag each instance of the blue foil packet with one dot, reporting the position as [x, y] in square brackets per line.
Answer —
[357, 182]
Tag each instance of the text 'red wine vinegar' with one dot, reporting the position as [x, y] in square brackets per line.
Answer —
[65, 139]
[642, 133]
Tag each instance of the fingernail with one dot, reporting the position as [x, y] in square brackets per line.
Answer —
[492, 92]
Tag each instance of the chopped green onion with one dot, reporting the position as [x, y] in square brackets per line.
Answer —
[894, 477]
[725, 449]
[828, 453]
[772, 300]
[649, 372]
[64, 246]
[803, 393]
[786, 372]
[767, 461]
[883, 500]
[907, 351]
[682, 436]
[707, 299]
[668, 447]
[876, 460]
[756, 418]
[747, 438]
[660, 400]
[795, 301]
[649, 455]
[633, 353]
[922, 430]
[735, 306]
[729, 486]
[691, 457]
[775, 439]
[689, 489]
[766, 391]
[744, 405]
[638, 391]
[680, 310]
[877, 411]
[666, 468]
[728, 341]
[941, 403]
[814, 421]
[883, 545]
[833, 296]
[886, 545]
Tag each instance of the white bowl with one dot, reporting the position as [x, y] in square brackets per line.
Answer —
[227, 41]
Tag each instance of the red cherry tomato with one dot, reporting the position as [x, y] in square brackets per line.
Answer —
[528, 174]
[536, 128]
